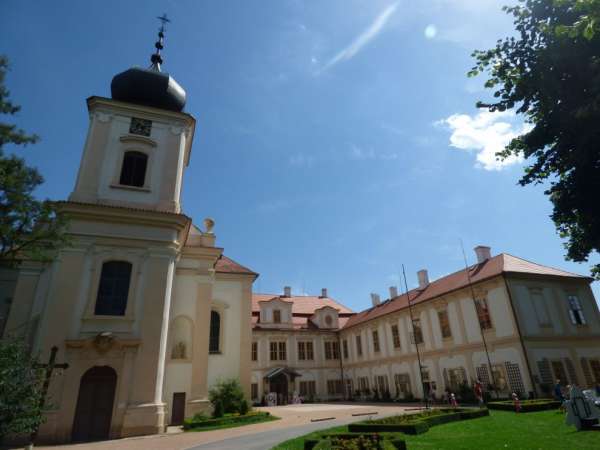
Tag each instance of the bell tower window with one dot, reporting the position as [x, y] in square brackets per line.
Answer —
[133, 171]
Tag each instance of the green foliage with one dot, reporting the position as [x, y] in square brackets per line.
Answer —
[550, 73]
[227, 397]
[29, 228]
[526, 405]
[202, 423]
[20, 389]
[218, 410]
[244, 407]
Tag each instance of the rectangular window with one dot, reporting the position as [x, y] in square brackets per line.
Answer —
[308, 388]
[402, 382]
[334, 387]
[276, 316]
[456, 377]
[309, 351]
[358, 345]
[575, 310]
[345, 348]
[595, 367]
[254, 391]
[483, 314]
[376, 347]
[539, 305]
[255, 351]
[301, 351]
[282, 353]
[559, 372]
[363, 383]
[499, 374]
[382, 383]
[417, 332]
[273, 350]
[444, 324]
[332, 350]
[395, 336]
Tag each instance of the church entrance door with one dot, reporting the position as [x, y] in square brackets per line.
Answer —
[279, 384]
[94, 409]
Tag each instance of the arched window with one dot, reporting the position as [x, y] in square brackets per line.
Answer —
[113, 288]
[133, 172]
[214, 344]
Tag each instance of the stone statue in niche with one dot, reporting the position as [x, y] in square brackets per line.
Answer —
[179, 351]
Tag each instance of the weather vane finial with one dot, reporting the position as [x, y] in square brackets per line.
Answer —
[156, 59]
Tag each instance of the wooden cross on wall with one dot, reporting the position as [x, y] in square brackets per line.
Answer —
[49, 367]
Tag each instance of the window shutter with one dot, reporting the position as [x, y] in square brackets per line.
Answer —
[545, 371]
[572, 316]
[446, 380]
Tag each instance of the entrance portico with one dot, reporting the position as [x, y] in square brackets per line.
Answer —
[281, 380]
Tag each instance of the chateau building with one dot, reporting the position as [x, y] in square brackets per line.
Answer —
[513, 324]
[144, 307]
[149, 313]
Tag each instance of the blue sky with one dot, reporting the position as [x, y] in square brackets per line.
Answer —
[336, 140]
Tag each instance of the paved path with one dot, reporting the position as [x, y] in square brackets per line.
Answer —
[295, 421]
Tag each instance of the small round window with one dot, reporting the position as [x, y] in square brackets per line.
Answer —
[328, 320]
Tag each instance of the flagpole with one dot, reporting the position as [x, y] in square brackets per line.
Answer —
[415, 339]
[487, 353]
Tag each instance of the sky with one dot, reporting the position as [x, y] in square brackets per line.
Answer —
[336, 140]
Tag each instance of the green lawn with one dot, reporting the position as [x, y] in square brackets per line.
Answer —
[501, 430]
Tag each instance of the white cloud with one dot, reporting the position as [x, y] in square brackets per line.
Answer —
[364, 38]
[485, 133]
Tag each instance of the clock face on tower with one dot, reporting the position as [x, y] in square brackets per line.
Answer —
[140, 126]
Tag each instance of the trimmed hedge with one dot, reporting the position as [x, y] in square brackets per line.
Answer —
[526, 405]
[390, 441]
[417, 425]
[191, 424]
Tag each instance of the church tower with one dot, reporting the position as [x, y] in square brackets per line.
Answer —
[105, 301]
[138, 142]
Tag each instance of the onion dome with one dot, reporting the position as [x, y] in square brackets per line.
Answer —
[149, 87]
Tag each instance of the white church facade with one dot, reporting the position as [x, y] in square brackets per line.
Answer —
[144, 307]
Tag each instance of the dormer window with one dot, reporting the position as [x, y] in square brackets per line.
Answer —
[276, 316]
[328, 320]
[133, 171]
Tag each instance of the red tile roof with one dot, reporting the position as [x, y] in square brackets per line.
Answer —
[227, 265]
[502, 263]
[303, 307]
[301, 304]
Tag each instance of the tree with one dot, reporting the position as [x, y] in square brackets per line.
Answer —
[20, 389]
[227, 397]
[550, 74]
[29, 228]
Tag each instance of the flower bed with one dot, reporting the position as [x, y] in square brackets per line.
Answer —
[526, 405]
[417, 423]
[199, 422]
[356, 441]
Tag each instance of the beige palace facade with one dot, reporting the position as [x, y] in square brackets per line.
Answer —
[539, 324]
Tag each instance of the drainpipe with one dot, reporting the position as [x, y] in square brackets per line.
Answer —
[341, 350]
[512, 307]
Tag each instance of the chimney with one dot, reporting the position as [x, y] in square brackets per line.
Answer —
[375, 299]
[483, 253]
[287, 291]
[423, 278]
[393, 292]
[323, 293]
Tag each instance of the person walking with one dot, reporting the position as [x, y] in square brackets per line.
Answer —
[479, 393]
